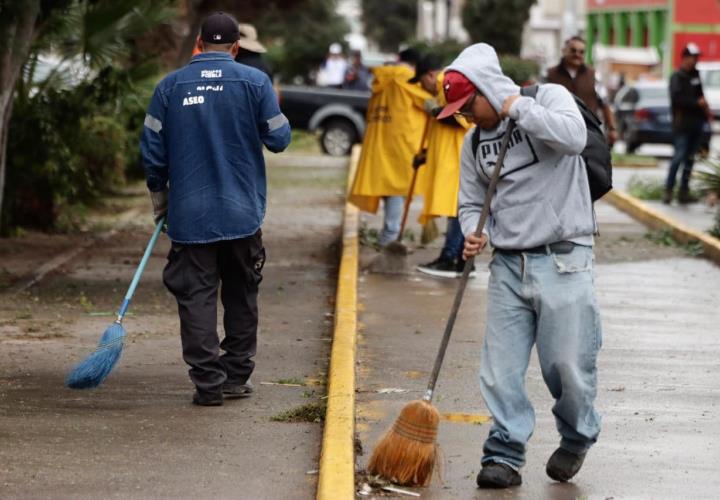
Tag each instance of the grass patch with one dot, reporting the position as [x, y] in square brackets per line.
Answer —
[284, 177]
[303, 141]
[633, 160]
[651, 189]
[665, 238]
[290, 381]
[309, 412]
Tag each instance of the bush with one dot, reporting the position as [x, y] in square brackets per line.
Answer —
[521, 71]
[67, 147]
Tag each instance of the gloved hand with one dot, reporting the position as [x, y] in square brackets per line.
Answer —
[429, 105]
[420, 159]
[160, 204]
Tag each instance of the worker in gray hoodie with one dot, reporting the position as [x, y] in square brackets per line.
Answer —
[540, 291]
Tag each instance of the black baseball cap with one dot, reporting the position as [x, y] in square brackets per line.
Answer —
[410, 55]
[428, 63]
[219, 28]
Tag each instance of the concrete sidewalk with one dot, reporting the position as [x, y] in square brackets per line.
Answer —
[659, 372]
[698, 216]
[138, 436]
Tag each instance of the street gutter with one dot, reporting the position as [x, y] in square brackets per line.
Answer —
[337, 459]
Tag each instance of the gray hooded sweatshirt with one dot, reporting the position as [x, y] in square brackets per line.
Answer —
[543, 194]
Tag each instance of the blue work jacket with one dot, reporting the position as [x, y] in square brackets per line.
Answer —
[203, 138]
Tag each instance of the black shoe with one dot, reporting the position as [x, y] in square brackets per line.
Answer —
[563, 465]
[497, 475]
[667, 197]
[685, 197]
[235, 390]
[203, 398]
[440, 267]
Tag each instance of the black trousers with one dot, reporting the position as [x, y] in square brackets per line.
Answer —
[193, 275]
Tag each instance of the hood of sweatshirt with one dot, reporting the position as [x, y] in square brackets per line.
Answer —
[479, 63]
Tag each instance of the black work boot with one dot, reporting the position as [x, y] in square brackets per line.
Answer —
[685, 197]
[497, 475]
[667, 196]
[235, 390]
[563, 465]
[204, 398]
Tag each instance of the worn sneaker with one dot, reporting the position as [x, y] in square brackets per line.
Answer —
[442, 268]
[202, 398]
[233, 390]
[497, 475]
[667, 197]
[563, 465]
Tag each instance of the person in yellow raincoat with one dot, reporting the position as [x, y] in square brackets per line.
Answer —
[439, 179]
[395, 123]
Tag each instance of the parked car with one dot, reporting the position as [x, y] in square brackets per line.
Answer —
[710, 76]
[338, 114]
[642, 113]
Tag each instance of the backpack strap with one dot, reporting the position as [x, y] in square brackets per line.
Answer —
[529, 91]
[475, 141]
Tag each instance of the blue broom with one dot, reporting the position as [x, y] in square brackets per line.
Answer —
[93, 370]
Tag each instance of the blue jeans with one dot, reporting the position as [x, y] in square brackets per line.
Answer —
[454, 240]
[686, 145]
[393, 208]
[547, 300]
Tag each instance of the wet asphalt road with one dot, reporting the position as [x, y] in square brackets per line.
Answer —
[659, 372]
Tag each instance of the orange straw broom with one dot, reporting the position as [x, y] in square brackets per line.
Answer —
[407, 453]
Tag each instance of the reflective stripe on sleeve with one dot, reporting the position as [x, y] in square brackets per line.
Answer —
[153, 123]
[276, 122]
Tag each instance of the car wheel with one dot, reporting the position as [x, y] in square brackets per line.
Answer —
[338, 138]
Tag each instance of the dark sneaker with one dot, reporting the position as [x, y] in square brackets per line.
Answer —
[497, 475]
[685, 197]
[667, 197]
[207, 398]
[563, 465]
[232, 390]
[460, 266]
[441, 268]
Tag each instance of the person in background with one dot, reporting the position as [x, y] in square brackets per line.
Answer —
[690, 111]
[202, 149]
[250, 50]
[332, 71]
[396, 119]
[573, 74]
[439, 179]
[357, 76]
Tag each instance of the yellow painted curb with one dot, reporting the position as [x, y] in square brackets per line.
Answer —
[656, 220]
[337, 458]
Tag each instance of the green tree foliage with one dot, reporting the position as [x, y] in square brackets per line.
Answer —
[521, 71]
[78, 107]
[389, 23]
[295, 52]
[497, 22]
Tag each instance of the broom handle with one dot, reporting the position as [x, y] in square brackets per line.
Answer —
[468, 264]
[138, 272]
[408, 199]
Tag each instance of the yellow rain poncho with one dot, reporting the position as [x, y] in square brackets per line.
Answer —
[439, 179]
[395, 123]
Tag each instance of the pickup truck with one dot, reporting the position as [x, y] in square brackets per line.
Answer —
[337, 113]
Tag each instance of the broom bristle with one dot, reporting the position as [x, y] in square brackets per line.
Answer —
[407, 453]
[91, 371]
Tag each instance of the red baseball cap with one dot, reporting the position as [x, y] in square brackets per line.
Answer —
[458, 89]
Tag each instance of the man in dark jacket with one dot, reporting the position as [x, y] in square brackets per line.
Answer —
[250, 50]
[690, 111]
[202, 151]
[573, 74]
